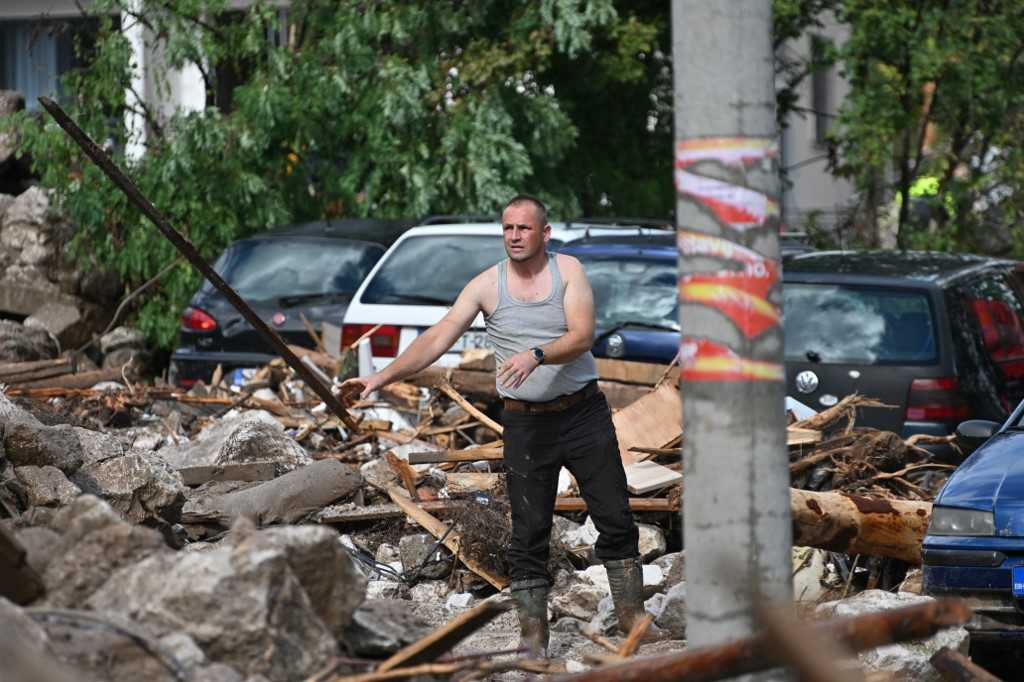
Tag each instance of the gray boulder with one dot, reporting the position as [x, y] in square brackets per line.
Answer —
[243, 605]
[140, 485]
[254, 436]
[670, 611]
[907, 661]
[415, 553]
[652, 542]
[26, 650]
[60, 319]
[40, 544]
[381, 627]
[20, 343]
[46, 486]
[122, 337]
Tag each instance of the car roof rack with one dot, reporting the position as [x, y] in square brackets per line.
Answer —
[618, 223]
[455, 219]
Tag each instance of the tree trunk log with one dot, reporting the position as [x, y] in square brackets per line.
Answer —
[853, 524]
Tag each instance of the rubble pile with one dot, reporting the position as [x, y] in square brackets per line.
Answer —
[243, 532]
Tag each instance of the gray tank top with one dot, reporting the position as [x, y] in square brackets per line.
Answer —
[516, 326]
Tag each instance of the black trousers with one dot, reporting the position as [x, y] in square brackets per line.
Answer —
[537, 445]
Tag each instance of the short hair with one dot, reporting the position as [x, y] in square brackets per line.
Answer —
[538, 205]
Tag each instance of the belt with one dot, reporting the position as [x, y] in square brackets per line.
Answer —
[557, 405]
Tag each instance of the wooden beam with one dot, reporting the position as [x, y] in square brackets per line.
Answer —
[644, 504]
[477, 384]
[449, 391]
[381, 512]
[470, 455]
[439, 529]
[246, 471]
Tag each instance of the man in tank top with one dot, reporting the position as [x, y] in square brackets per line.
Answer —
[540, 321]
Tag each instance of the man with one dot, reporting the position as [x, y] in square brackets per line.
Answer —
[540, 322]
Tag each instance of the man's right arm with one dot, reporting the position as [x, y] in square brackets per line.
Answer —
[433, 343]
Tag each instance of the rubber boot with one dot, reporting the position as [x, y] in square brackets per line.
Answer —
[625, 579]
[531, 599]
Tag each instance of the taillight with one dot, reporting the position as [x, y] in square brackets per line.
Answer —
[936, 400]
[383, 340]
[197, 320]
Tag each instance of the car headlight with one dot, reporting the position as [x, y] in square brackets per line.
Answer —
[616, 346]
[953, 521]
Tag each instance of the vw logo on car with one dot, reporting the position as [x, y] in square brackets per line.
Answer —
[807, 381]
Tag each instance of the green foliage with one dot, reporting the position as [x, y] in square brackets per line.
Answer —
[937, 89]
[360, 109]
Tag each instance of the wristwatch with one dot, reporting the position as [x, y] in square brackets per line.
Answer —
[538, 354]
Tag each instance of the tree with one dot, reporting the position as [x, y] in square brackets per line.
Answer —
[359, 109]
[937, 91]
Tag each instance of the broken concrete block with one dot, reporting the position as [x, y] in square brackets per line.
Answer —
[19, 343]
[139, 485]
[46, 486]
[184, 649]
[581, 595]
[673, 565]
[30, 443]
[60, 319]
[458, 601]
[243, 606]
[424, 557]
[908, 661]
[287, 499]
[381, 627]
[122, 337]
[384, 589]
[652, 542]
[96, 543]
[670, 613]
[327, 573]
[252, 437]
[28, 208]
[429, 591]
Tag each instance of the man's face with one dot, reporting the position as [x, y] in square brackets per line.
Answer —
[525, 235]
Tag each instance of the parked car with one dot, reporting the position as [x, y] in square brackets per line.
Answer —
[974, 547]
[634, 280]
[304, 271]
[938, 336]
[417, 280]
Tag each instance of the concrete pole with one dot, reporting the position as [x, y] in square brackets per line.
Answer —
[736, 519]
[134, 121]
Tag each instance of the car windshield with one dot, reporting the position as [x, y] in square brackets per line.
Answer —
[862, 325]
[638, 291]
[432, 269]
[267, 269]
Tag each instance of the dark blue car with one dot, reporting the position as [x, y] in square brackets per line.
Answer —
[635, 295]
[975, 543]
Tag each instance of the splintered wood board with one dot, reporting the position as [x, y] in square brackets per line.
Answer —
[796, 436]
[472, 482]
[650, 422]
[643, 477]
[629, 372]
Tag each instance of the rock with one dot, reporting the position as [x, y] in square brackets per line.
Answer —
[30, 208]
[40, 544]
[26, 650]
[66, 447]
[19, 582]
[46, 486]
[19, 343]
[122, 337]
[384, 589]
[252, 437]
[654, 579]
[95, 544]
[913, 582]
[327, 573]
[670, 611]
[140, 485]
[673, 565]
[11, 101]
[563, 531]
[60, 319]
[216, 672]
[458, 601]
[184, 649]
[909, 660]
[243, 606]
[380, 627]
[581, 595]
[652, 542]
[424, 557]
[585, 535]
[429, 591]
[12, 414]
[386, 553]
[290, 498]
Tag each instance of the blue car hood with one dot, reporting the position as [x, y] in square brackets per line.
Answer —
[992, 479]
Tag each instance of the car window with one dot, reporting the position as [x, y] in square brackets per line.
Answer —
[998, 315]
[633, 290]
[265, 269]
[432, 269]
[858, 325]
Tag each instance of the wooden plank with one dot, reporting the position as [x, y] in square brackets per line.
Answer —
[34, 370]
[629, 372]
[444, 638]
[797, 436]
[247, 471]
[472, 482]
[450, 391]
[438, 529]
[642, 504]
[471, 455]
[79, 380]
[652, 421]
[467, 382]
[643, 477]
[381, 512]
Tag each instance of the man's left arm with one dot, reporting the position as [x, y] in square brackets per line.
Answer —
[578, 302]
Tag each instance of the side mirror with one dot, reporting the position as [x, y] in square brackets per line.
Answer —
[971, 434]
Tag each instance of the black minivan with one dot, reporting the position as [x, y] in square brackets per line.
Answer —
[938, 336]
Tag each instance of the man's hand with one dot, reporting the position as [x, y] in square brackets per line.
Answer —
[513, 372]
[364, 385]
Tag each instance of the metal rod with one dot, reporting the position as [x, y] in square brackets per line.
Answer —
[186, 248]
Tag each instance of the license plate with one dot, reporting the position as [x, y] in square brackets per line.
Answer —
[1018, 581]
[471, 340]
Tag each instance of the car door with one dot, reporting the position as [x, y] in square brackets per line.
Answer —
[996, 311]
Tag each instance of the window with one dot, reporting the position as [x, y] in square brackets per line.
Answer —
[34, 55]
[861, 325]
[633, 290]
